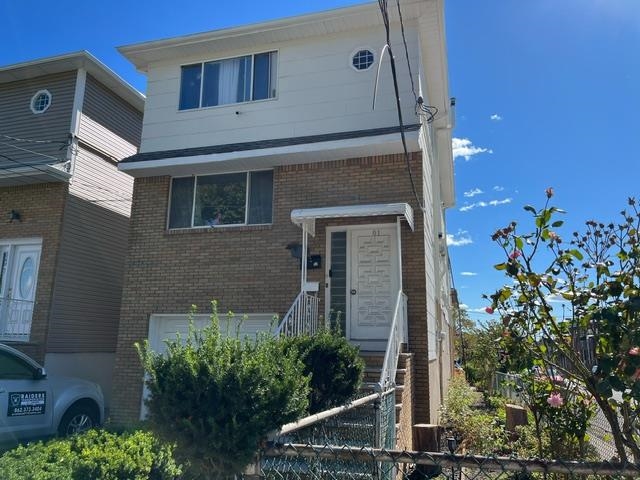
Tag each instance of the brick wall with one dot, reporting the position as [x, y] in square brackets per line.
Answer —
[248, 269]
[41, 209]
[406, 419]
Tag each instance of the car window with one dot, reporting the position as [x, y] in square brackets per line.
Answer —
[12, 368]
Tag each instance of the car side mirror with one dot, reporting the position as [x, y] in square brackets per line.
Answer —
[40, 373]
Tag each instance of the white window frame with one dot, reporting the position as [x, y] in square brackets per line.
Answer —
[221, 59]
[35, 96]
[359, 49]
[193, 201]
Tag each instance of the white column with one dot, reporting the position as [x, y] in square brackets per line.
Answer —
[303, 269]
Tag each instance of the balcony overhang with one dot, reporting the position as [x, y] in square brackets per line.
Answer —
[32, 174]
[306, 218]
[270, 153]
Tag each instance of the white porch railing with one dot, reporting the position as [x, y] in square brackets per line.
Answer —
[302, 318]
[15, 319]
[397, 336]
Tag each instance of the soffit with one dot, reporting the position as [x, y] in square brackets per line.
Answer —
[258, 35]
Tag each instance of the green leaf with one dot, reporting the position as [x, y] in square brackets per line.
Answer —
[529, 208]
[500, 266]
[519, 243]
[576, 253]
[557, 223]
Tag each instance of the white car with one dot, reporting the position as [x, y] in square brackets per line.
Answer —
[34, 405]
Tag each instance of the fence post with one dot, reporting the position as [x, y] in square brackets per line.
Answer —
[254, 469]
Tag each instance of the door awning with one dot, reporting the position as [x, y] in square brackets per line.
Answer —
[306, 217]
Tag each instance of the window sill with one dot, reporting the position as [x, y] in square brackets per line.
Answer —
[218, 229]
[230, 105]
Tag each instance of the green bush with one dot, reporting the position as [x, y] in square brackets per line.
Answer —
[333, 365]
[216, 397]
[96, 454]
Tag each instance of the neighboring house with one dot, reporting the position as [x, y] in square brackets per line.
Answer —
[260, 146]
[65, 123]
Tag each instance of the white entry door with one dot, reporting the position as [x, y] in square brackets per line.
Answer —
[18, 278]
[373, 285]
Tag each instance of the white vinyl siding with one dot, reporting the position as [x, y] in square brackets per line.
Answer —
[318, 92]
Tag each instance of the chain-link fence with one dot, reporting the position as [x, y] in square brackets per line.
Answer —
[311, 462]
[367, 422]
[357, 442]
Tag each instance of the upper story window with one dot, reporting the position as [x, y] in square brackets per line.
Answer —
[233, 80]
[362, 59]
[227, 199]
[41, 101]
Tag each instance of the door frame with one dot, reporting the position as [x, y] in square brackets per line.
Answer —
[12, 244]
[349, 228]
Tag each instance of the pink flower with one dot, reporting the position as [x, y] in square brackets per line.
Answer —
[489, 310]
[636, 375]
[549, 192]
[635, 351]
[555, 400]
[515, 254]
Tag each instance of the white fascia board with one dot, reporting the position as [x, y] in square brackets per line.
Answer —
[32, 175]
[271, 157]
[308, 216]
[284, 29]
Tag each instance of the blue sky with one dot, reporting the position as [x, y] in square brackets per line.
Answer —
[548, 95]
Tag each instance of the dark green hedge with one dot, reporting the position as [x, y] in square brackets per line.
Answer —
[333, 365]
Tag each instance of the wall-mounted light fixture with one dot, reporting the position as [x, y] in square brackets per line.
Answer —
[296, 249]
[14, 216]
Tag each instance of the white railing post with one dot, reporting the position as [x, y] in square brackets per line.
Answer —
[397, 336]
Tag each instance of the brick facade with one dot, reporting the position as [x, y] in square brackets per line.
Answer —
[41, 209]
[248, 269]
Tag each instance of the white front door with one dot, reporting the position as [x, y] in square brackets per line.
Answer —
[18, 277]
[373, 283]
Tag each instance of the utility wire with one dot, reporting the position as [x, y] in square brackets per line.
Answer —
[120, 198]
[430, 111]
[463, 347]
[406, 52]
[385, 18]
[31, 151]
[31, 140]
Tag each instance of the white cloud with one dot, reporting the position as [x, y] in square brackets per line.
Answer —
[495, 117]
[462, 147]
[464, 306]
[473, 192]
[468, 274]
[498, 188]
[460, 239]
[492, 203]
[477, 310]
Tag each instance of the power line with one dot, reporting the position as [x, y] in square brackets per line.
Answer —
[30, 151]
[406, 53]
[31, 140]
[385, 19]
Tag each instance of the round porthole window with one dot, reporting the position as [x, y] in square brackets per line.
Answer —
[41, 101]
[27, 277]
[362, 59]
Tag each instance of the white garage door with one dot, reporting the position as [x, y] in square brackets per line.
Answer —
[166, 327]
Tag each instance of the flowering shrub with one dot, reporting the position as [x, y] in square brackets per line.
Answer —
[596, 274]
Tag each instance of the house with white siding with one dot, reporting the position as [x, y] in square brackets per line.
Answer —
[65, 124]
[269, 181]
